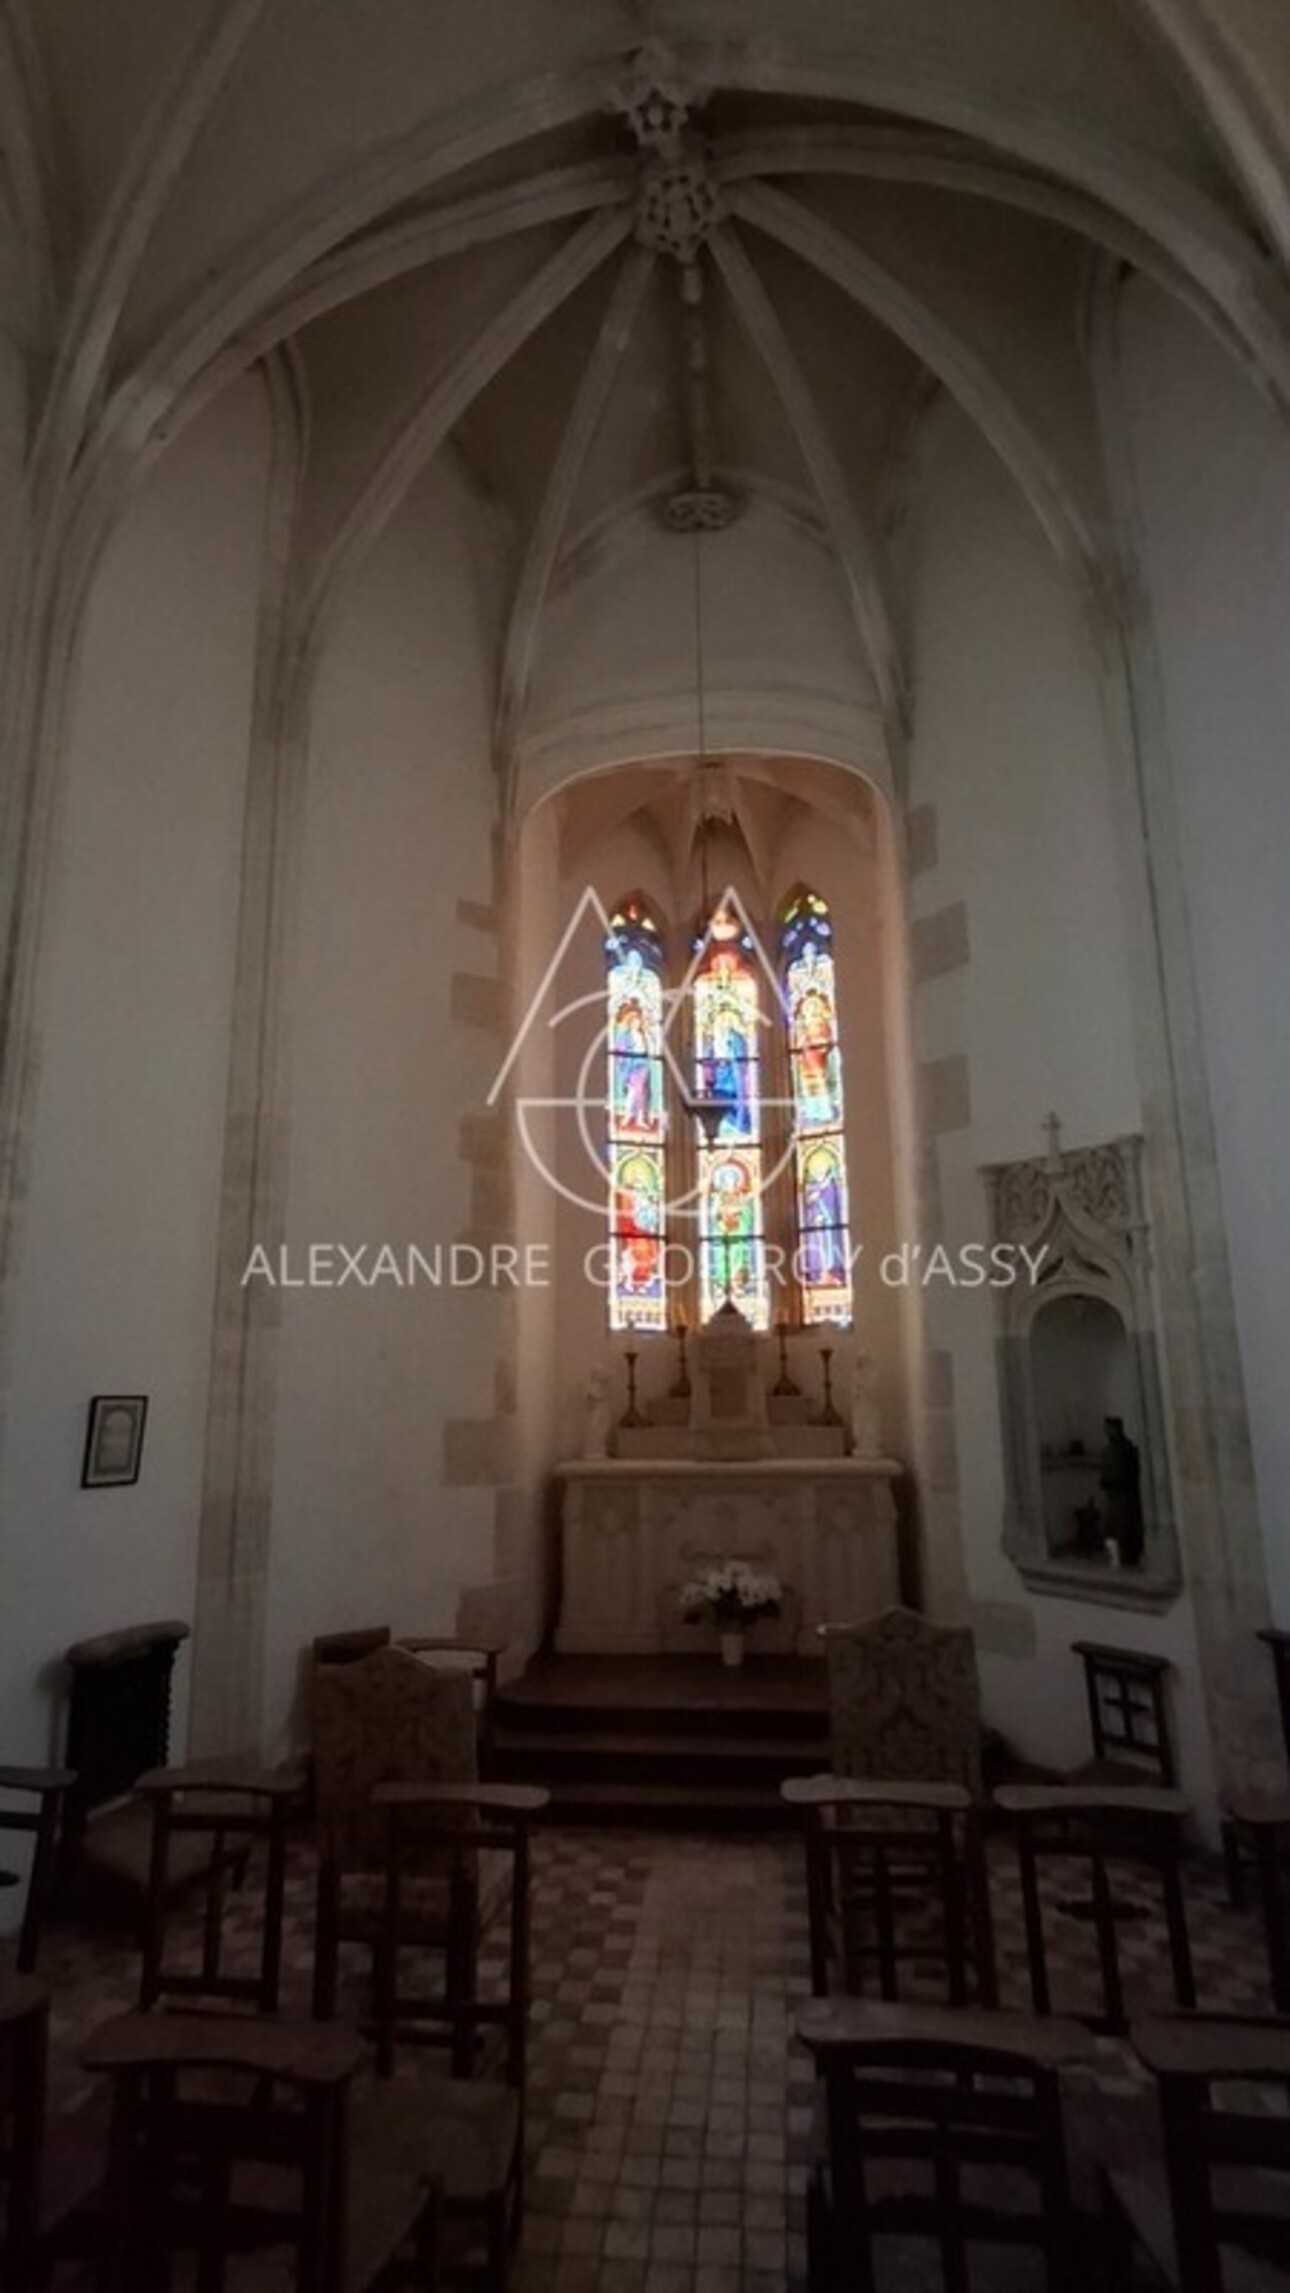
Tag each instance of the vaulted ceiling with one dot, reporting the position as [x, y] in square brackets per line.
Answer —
[624, 258]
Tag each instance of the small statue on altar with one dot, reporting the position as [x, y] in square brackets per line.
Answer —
[595, 1440]
[866, 1427]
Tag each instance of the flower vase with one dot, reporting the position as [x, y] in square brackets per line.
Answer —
[732, 1648]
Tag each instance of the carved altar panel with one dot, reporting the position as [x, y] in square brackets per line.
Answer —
[632, 1533]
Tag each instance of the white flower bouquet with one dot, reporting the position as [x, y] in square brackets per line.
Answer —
[730, 1596]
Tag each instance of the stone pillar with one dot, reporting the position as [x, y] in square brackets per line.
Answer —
[1217, 1501]
[237, 1487]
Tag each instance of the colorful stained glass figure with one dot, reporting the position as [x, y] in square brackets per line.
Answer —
[823, 1248]
[823, 1257]
[637, 1295]
[637, 1119]
[727, 1072]
[732, 1251]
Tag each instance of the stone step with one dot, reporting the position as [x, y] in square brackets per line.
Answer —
[665, 1806]
[678, 1740]
[808, 1754]
[779, 1697]
[715, 1762]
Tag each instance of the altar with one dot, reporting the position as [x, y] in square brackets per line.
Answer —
[634, 1530]
[725, 1467]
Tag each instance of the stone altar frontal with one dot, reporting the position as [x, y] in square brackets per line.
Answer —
[633, 1532]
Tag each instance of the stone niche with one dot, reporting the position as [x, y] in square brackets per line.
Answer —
[1075, 1346]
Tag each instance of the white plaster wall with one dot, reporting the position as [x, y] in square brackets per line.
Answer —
[115, 1279]
[399, 814]
[1008, 746]
[1212, 467]
[13, 424]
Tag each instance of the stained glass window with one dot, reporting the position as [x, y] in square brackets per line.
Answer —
[727, 1077]
[823, 1256]
[637, 1119]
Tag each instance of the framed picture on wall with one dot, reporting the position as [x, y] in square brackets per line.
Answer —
[114, 1440]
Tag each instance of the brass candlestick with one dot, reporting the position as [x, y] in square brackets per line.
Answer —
[631, 1415]
[828, 1414]
[680, 1389]
[784, 1387]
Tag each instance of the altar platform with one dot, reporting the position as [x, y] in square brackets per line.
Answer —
[632, 1533]
[677, 1742]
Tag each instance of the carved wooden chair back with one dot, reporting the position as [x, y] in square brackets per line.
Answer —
[479, 1660]
[388, 1718]
[904, 1700]
[350, 1647]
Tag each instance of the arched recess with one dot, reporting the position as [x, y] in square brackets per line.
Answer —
[795, 819]
[615, 680]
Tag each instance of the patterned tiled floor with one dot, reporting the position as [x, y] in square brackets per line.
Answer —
[669, 2108]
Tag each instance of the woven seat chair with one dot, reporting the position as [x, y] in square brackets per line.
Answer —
[393, 1718]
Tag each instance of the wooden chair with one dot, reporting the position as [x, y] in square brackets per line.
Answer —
[931, 2118]
[218, 1802]
[1218, 2219]
[477, 1658]
[24, 2039]
[1128, 1717]
[1256, 1829]
[1254, 1840]
[350, 1647]
[464, 2132]
[232, 2138]
[904, 1701]
[862, 1841]
[390, 1718]
[48, 1787]
[1108, 1827]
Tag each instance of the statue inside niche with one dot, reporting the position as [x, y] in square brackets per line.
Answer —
[866, 1426]
[1120, 1481]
